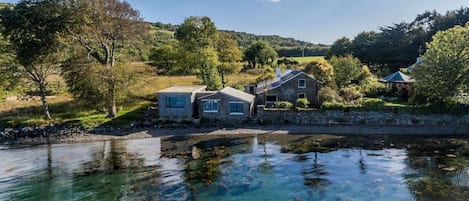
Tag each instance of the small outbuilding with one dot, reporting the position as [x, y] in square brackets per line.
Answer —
[227, 104]
[397, 77]
[179, 102]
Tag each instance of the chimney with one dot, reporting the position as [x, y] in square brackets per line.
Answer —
[278, 72]
[419, 60]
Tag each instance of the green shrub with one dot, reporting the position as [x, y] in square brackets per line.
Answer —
[332, 106]
[284, 104]
[302, 103]
[351, 94]
[326, 94]
[373, 103]
[239, 87]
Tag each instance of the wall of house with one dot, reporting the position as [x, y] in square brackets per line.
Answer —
[289, 91]
[176, 113]
[311, 117]
[224, 108]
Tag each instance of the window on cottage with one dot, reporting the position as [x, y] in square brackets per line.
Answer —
[175, 102]
[210, 105]
[302, 95]
[302, 83]
[271, 98]
[236, 108]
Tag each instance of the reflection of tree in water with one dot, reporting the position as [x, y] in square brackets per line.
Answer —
[361, 163]
[203, 156]
[314, 177]
[265, 167]
[116, 174]
[41, 185]
[204, 168]
[437, 165]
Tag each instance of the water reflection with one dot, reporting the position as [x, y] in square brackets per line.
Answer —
[250, 167]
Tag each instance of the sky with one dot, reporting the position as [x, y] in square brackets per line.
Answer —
[318, 21]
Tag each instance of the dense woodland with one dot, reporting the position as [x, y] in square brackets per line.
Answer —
[398, 45]
[285, 47]
[93, 46]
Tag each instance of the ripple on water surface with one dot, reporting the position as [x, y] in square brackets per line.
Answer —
[264, 167]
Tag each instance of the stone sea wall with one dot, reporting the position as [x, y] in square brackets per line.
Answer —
[311, 117]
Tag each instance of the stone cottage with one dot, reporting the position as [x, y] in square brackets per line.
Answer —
[227, 104]
[289, 86]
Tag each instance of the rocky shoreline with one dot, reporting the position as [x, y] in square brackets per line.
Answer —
[58, 134]
[69, 134]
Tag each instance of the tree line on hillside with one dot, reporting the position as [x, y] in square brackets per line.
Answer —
[285, 47]
[397, 45]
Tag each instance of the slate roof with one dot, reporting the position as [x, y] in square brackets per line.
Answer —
[233, 93]
[183, 89]
[279, 81]
[411, 67]
[238, 94]
[397, 77]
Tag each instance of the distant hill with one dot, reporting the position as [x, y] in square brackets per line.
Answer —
[3, 5]
[285, 47]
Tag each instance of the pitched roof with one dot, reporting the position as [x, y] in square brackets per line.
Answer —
[238, 94]
[279, 81]
[411, 67]
[397, 77]
[183, 89]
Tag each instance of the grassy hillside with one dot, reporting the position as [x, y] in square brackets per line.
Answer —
[64, 108]
[304, 60]
[285, 47]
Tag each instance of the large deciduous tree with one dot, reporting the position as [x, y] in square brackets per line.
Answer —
[346, 69]
[444, 73]
[8, 65]
[340, 47]
[165, 58]
[322, 71]
[229, 55]
[105, 28]
[33, 28]
[260, 52]
[196, 36]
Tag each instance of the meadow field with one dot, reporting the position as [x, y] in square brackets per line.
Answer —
[65, 108]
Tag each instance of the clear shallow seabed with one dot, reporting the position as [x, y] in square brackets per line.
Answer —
[248, 167]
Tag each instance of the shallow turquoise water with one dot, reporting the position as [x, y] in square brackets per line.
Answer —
[229, 168]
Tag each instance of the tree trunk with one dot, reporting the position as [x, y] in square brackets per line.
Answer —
[45, 105]
[223, 79]
[112, 111]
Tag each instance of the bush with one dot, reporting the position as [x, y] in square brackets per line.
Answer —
[373, 103]
[302, 103]
[371, 87]
[332, 106]
[351, 94]
[239, 87]
[326, 94]
[284, 104]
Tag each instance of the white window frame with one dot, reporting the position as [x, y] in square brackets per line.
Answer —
[211, 100]
[301, 87]
[304, 94]
[235, 113]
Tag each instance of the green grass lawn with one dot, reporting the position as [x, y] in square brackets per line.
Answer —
[304, 60]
